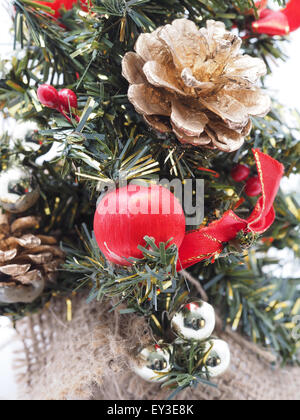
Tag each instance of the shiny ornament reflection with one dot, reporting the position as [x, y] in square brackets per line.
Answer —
[195, 321]
[152, 364]
[19, 190]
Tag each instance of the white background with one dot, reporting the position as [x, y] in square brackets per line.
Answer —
[285, 86]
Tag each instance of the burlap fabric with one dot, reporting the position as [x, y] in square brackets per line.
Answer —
[89, 358]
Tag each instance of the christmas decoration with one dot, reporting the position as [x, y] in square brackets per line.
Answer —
[18, 190]
[292, 12]
[153, 364]
[240, 173]
[218, 357]
[280, 22]
[61, 101]
[58, 5]
[27, 260]
[253, 187]
[195, 321]
[207, 242]
[274, 23]
[193, 76]
[48, 96]
[265, 12]
[196, 83]
[126, 215]
[67, 99]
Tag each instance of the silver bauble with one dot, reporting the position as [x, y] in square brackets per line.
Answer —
[218, 360]
[152, 363]
[19, 190]
[195, 321]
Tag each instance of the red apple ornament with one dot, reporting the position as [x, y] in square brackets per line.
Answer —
[126, 215]
[253, 187]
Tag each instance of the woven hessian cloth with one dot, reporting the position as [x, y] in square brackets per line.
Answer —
[89, 358]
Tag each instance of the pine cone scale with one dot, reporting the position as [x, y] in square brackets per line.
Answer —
[192, 124]
[149, 101]
[164, 77]
[24, 223]
[133, 68]
[15, 269]
[232, 112]
[7, 255]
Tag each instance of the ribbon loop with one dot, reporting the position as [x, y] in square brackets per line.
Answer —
[208, 242]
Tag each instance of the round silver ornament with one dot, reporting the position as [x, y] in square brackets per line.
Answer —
[152, 363]
[218, 360]
[19, 190]
[195, 321]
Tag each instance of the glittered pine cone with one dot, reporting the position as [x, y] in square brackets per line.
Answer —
[27, 260]
[196, 83]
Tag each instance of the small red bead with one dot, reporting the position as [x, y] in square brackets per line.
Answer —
[240, 173]
[253, 187]
[67, 99]
[48, 96]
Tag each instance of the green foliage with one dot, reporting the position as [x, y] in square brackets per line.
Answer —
[139, 286]
[189, 370]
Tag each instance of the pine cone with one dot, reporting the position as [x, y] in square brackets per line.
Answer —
[196, 83]
[27, 261]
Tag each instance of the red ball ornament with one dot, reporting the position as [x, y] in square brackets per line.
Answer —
[59, 5]
[126, 215]
[240, 173]
[48, 96]
[253, 187]
[67, 99]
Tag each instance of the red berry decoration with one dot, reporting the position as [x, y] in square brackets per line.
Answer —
[126, 215]
[48, 96]
[253, 187]
[240, 173]
[67, 99]
[61, 101]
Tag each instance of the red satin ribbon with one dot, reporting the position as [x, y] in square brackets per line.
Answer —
[292, 12]
[208, 242]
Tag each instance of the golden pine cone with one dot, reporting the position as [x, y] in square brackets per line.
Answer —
[196, 83]
[27, 261]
